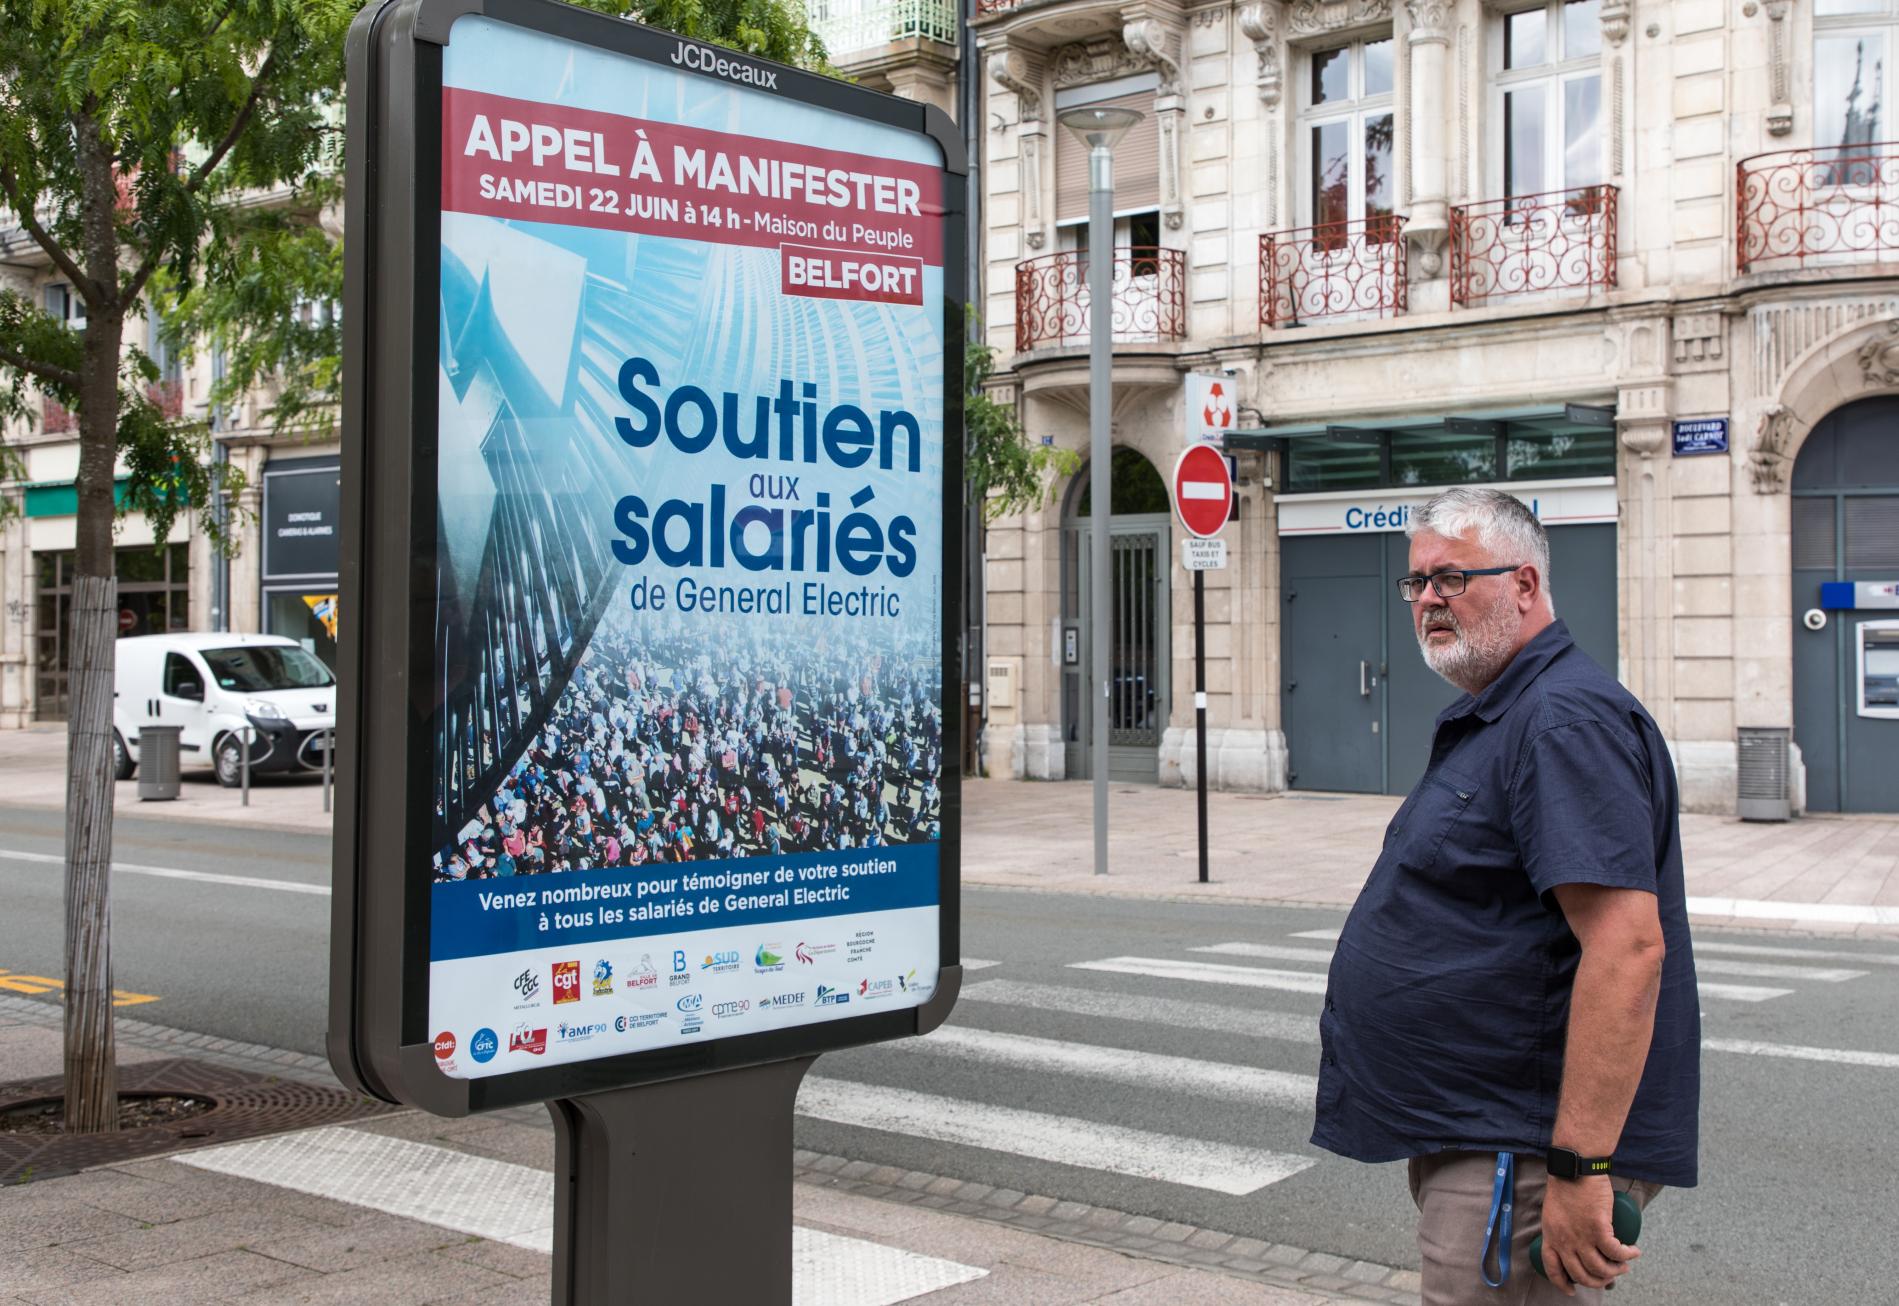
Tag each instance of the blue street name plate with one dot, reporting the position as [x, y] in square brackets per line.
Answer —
[1701, 435]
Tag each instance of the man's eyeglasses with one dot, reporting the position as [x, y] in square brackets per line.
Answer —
[1448, 584]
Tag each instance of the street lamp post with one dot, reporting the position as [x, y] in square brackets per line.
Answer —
[1099, 127]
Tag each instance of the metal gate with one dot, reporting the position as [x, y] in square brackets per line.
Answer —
[1139, 634]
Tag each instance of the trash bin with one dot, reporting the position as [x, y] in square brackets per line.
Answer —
[158, 762]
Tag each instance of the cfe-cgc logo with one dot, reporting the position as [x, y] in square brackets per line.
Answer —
[642, 977]
[768, 958]
[721, 963]
[525, 1039]
[830, 997]
[527, 988]
[808, 953]
[566, 982]
[603, 978]
[483, 1046]
[869, 990]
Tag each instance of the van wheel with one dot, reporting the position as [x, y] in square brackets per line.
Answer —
[228, 761]
[122, 763]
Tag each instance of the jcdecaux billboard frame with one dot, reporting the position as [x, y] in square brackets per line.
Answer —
[649, 743]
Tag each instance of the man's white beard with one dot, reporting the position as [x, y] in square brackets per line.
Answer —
[1483, 647]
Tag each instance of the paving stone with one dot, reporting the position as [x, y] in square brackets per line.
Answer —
[1250, 1247]
[943, 1187]
[1141, 1224]
[1208, 1240]
[915, 1180]
[1322, 1263]
[1330, 1282]
[1405, 1280]
[888, 1175]
[1246, 1264]
[829, 1164]
[1367, 1272]
[1036, 1205]
[802, 1157]
[1282, 1254]
[138, 1249]
[1068, 1211]
[502, 1258]
[856, 1169]
[1008, 1197]
[222, 1277]
[1174, 1232]
[975, 1192]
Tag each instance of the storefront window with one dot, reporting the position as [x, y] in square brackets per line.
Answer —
[1480, 451]
[310, 619]
[1440, 458]
[1536, 456]
[154, 598]
[1334, 464]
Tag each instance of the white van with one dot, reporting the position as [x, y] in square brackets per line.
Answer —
[213, 686]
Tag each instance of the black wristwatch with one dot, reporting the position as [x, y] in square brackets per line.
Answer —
[1565, 1164]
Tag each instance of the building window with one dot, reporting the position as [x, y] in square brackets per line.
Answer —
[1346, 133]
[1548, 96]
[154, 598]
[1852, 53]
[63, 304]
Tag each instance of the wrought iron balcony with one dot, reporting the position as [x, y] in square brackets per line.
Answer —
[1831, 204]
[1333, 269]
[1528, 244]
[849, 26]
[1052, 302]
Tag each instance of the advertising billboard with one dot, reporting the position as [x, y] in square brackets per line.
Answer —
[674, 777]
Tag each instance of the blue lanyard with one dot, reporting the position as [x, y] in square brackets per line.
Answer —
[1502, 1198]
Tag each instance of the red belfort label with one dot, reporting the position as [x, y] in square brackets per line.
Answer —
[852, 226]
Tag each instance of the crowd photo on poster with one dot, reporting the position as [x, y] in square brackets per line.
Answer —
[667, 747]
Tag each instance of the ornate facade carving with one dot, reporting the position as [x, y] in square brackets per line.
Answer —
[1879, 357]
[1767, 460]
[1615, 20]
[1019, 72]
[1097, 59]
[1430, 21]
[1782, 333]
[1260, 22]
[1699, 342]
[1157, 46]
[1780, 102]
[1314, 17]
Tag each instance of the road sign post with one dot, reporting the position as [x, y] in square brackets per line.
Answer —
[649, 739]
[1203, 499]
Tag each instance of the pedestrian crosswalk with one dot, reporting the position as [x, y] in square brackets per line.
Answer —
[1172, 1024]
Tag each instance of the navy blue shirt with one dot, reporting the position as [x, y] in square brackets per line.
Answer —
[1448, 1001]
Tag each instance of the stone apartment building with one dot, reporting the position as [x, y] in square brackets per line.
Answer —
[1637, 262]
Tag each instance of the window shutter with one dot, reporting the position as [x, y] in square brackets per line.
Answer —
[1136, 164]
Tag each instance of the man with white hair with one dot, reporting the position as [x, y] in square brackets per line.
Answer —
[1512, 1007]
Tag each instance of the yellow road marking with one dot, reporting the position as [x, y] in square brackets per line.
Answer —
[42, 984]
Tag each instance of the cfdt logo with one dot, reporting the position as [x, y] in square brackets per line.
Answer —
[444, 1045]
[483, 1046]
[566, 981]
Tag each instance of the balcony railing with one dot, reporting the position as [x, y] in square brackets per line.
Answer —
[1052, 302]
[169, 396]
[56, 417]
[1334, 269]
[1832, 204]
[848, 26]
[1529, 244]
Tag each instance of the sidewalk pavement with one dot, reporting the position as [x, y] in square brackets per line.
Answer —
[410, 1208]
[1835, 874]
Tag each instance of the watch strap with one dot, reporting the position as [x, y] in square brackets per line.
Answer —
[1562, 1163]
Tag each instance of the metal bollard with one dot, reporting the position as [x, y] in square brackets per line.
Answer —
[329, 755]
[244, 763]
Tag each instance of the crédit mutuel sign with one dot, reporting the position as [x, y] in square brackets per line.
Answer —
[649, 476]
[1355, 512]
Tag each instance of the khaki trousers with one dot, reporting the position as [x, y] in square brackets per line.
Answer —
[1452, 1190]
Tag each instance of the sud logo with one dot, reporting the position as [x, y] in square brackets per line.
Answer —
[720, 963]
[483, 1046]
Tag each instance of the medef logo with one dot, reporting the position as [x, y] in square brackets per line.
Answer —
[603, 978]
[705, 59]
[566, 981]
[527, 987]
[719, 963]
[830, 997]
[524, 1039]
[768, 959]
[642, 977]
[781, 1000]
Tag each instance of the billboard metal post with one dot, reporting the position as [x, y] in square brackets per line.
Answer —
[650, 718]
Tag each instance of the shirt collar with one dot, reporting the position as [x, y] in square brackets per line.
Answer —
[1525, 667]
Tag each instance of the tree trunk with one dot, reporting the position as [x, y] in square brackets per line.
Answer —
[92, 1073]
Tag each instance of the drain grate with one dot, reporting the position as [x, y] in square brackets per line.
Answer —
[246, 1106]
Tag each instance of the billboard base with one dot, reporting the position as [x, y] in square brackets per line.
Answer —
[677, 1191]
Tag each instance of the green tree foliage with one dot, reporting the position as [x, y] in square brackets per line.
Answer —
[1004, 471]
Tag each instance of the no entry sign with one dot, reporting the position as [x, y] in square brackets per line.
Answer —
[1203, 490]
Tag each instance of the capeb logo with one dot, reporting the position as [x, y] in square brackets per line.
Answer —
[566, 982]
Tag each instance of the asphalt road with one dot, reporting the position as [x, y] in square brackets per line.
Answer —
[1106, 1045]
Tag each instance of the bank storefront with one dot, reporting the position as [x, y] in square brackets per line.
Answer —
[1357, 700]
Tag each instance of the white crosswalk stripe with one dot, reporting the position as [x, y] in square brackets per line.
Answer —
[1331, 935]
[1256, 977]
[1844, 1056]
[1739, 992]
[1768, 970]
[1177, 1012]
[1121, 1065]
[1795, 954]
[1268, 952]
[1064, 1140]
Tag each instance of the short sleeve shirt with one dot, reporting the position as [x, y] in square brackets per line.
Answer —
[1448, 1001]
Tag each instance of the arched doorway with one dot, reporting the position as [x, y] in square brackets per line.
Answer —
[1846, 674]
[1140, 624]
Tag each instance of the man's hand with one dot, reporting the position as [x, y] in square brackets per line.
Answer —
[1580, 1248]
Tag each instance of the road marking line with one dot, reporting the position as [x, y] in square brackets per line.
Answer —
[1193, 1162]
[42, 984]
[1740, 992]
[1120, 1065]
[1206, 972]
[1832, 913]
[174, 873]
[1178, 1012]
[514, 1204]
[1330, 936]
[1268, 952]
[1817, 954]
[1767, 970]
[978, 963]
[1845, 1056]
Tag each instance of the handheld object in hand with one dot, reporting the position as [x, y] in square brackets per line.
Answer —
[1625, 1215]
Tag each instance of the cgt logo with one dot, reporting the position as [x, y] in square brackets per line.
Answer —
[566, 981]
